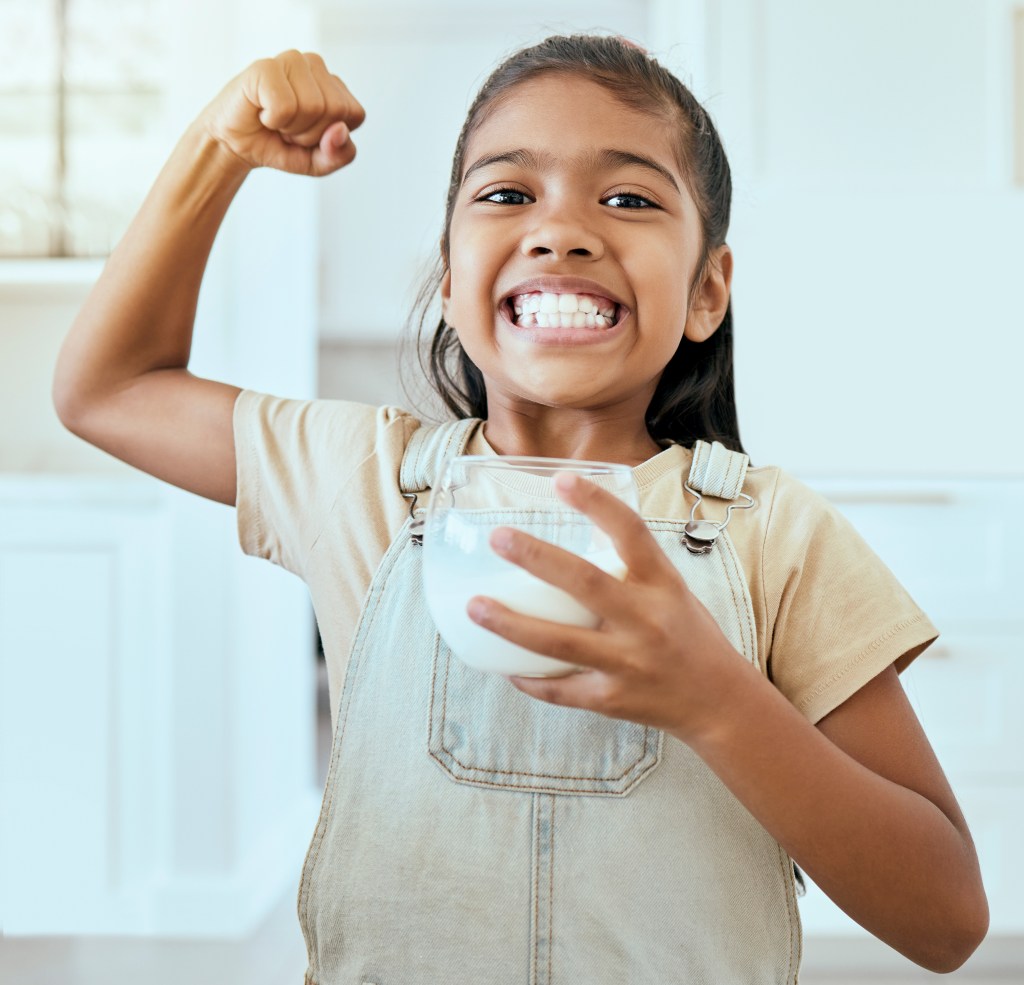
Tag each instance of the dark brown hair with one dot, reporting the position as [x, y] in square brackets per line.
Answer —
[694, 398]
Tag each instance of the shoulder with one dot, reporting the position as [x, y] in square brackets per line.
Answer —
[295, 458]
[297, 429]
[794, 521]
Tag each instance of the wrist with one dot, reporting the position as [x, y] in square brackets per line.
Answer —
[199, 180]
[730, 693]
[213, 154]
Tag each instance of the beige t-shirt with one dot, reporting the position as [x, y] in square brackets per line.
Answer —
[318, 494]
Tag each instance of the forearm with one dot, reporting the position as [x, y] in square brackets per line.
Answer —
[140, 314]
[888, 856]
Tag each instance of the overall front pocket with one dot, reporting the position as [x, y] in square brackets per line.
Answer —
[486, 733]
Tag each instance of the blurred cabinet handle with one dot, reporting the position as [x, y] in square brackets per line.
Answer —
[893, 498]
[1018, 99]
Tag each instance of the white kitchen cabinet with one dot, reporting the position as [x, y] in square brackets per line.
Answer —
[956, 546]
[157, 691]
[156, 714]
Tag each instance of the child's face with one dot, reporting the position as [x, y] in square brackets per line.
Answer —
[557, 198]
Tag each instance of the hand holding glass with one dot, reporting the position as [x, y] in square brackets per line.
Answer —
[475, 495]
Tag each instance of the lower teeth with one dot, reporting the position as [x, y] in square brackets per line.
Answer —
[562, 320]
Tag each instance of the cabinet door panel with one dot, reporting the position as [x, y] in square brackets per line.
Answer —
[968, 693]
[957, 547]
[79, 606]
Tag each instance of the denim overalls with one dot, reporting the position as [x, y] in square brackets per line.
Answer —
[472, 835]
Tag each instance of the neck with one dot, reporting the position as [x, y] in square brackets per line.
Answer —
[544, 432]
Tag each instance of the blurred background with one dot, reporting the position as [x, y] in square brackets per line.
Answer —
[163, 720]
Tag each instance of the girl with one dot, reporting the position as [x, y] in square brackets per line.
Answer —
[739, 707]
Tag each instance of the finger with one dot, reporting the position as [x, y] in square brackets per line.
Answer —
[573, 644]
[585, 690]
[329, 95]
[269, 90]
[341, 104]
[338, 103]
[309, 120]
[354, 112]
[596, 589]
[633, 542]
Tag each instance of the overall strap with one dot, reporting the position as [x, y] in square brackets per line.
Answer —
[716, 471]
[428, 449]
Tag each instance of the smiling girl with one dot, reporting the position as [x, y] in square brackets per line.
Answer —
[739, 707]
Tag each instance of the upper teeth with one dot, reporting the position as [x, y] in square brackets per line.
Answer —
[563, 310]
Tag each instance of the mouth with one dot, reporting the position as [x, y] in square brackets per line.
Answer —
[543, 309]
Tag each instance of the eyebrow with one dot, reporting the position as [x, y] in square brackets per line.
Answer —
[603, 160]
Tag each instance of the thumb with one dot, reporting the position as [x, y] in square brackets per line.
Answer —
[334, 150]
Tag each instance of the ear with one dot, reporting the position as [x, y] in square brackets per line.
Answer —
[712, 296]
[446, 291]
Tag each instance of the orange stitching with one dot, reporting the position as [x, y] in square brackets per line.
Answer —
[551, 886]
[534, 878]
[475, 781]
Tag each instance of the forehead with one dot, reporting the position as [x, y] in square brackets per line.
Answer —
[568, 115]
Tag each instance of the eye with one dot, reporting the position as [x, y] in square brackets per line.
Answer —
[505, 196]
[628, 200]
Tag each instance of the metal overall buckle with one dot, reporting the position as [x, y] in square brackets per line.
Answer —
[699, 536]
[418, 523]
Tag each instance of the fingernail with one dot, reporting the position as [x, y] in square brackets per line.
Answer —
[477, 610]
[566, 481]
[501, 539]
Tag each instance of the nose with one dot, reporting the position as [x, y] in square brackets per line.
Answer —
[560, 235]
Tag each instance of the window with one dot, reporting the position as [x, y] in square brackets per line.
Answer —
[80, 122]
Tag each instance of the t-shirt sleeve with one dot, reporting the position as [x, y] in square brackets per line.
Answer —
[293, 457]
[840, 615]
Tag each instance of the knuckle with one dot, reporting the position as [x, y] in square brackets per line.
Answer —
[280, 112]
[562, 649]
[607, 696]
[635, 526]
[591, 578]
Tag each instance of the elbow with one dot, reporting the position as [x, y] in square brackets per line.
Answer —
[74, 399]
[68, 405]
[959, 939]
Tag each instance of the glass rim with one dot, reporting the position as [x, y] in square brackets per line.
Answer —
[534, 462]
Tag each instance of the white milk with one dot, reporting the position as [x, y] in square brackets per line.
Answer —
[452, 583]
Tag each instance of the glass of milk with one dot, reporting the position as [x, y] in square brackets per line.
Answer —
[474, 495]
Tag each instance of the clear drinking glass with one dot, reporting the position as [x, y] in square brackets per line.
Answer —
[476, 494]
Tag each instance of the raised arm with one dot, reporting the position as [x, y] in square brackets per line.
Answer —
[122, 381]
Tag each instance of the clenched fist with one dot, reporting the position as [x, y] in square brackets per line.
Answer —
[287, 113]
